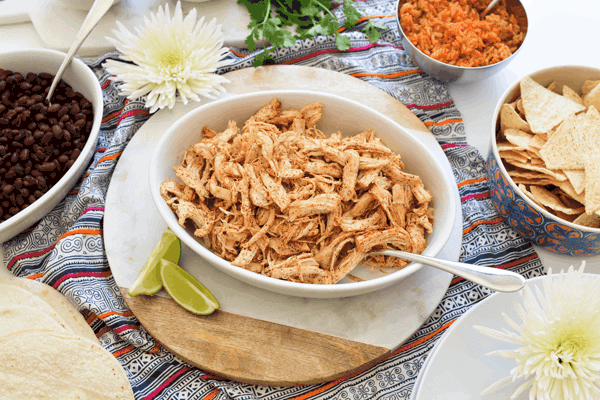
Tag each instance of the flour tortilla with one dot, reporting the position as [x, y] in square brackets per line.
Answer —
[63, 307]
[23, 318]
[11, 295]
[40, 364]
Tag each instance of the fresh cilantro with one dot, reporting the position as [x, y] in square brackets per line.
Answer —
[309, 18]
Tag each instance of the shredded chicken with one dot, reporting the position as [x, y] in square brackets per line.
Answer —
[282, 199]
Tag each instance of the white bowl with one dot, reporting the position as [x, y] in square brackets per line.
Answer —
[340, 114]
[82, 79]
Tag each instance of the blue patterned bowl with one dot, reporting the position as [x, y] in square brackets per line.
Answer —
[527, 218]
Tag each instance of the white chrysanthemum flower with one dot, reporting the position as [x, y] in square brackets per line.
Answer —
[560, 339]
[174, 58]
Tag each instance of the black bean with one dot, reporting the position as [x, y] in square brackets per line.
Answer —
[47, 167]
[46, 138]
[54, 108]
[63, 111]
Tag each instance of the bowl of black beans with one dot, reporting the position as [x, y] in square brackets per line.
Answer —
[45, 147]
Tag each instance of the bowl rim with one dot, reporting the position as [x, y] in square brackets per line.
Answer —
[510, 91]
[282, 286]
[88, 74]
[458, 67]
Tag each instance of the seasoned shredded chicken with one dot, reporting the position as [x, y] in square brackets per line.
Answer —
[280, 198]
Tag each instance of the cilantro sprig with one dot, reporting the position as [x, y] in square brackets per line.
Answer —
[309, 17]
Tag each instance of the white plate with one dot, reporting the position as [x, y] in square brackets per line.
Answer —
[387, 318]
[458, 367]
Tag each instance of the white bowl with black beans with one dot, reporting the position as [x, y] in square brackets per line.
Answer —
[44, 147]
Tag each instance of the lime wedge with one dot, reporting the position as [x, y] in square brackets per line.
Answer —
[148, 281]
[186, 290]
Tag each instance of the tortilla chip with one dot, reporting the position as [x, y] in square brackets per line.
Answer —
[592, 183]
[588, 86]
[569, 190]
[591, 129]
[572, 95]
[552, 201]
[521, 173]
[513, 155]
[592, 98]
[566, 148]
[534, 181]
[577, 179]
[531, 196]
[589, 220]
[538, 141]
[551, 86]
[518, 137]
[545, 109]
[509, 119]
[566, 217]
[507, 146]
[554, 174]
[519, 106]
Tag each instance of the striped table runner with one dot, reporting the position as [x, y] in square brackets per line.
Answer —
[66, 250]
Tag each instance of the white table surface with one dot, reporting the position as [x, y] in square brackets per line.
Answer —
[560, 33]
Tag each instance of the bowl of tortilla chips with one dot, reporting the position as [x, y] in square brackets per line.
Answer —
[544, 161]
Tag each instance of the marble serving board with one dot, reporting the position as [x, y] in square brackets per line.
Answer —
[57, 23]
[257, 336]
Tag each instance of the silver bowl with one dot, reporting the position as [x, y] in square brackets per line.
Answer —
[452, 73]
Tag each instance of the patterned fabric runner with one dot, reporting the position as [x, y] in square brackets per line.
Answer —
[66, 248]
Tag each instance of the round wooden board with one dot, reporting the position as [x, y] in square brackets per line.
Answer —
[254, 350]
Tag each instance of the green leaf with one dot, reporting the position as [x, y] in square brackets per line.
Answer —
[310, 11]
[352, 14]
[257, 10]
[250, 42]
[372, 32]
[342, 42]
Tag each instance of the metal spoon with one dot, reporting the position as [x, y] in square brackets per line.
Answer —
[99, 8]
[489, 7]
[496, 279]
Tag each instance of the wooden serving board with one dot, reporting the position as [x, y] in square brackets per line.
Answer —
[260, 337]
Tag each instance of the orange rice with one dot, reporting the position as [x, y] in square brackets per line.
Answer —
[452, 31]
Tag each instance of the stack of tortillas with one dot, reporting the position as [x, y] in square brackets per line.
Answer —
[48, 351]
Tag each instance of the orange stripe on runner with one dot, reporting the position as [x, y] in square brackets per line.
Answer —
[343, 28]
[212, 394]
[156, 348]
[397, 74]
[448, 121]
[108, 314]
[424, 339]
[237, 54]
[111, 157]
[35, 276]
[83, 231]
[476, 224]
[123, 351]
[471, 181]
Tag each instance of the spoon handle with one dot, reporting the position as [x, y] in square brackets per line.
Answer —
[489, 7]
[99, 8]
[495, 279]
